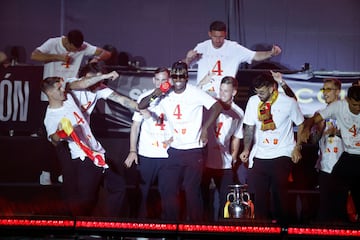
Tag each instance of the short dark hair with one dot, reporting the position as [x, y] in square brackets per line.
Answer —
[230, 80]
[264, 80]
[48, 83]
[179, 67]
[162, 69]
[218, 26]
[91, 68]
[76, 38]
[354, 93]
[336, 82]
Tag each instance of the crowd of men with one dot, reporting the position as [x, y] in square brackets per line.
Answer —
[189, 138]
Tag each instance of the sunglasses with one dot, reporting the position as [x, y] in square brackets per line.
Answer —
[327, 89]
[176, 76]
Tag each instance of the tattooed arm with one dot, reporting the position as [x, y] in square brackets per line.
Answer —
[249, 131]
[123, 100]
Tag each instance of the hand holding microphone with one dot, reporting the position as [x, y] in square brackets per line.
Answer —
[162, 90]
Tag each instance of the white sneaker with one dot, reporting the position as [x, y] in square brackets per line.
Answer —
[60, 179]
[45, 178]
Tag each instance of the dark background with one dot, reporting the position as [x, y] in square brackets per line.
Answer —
[324, 33]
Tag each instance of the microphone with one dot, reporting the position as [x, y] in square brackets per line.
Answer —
[162, 90]
[165, 86]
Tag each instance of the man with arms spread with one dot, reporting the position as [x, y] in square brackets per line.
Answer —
[219, 57]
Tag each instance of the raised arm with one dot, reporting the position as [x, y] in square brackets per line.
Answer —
[86, 82]
[101, 55]
[164, 88]
[123, 100]
[278, 78]
[191, 56]
[263, 55]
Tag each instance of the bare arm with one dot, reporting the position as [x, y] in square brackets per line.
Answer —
[205, 80]
[263, 55]
[235, 146]
[39, 56]
[191, 56]
[124, 101]
[249, 131]
[145, 101]
[55, 139]
[214, 113]
[86, 82]
[296, 153]
[134, 135]
[101, 55]
[305, 132]
[278, 78]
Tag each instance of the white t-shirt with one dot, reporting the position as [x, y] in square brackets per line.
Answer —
[153, 132]
[223, 61]
[228, 124]
[348, 123]
[330, 148]
[88, 99]
[59, 68]
[71, 111]
[280, 141]
[184, 112]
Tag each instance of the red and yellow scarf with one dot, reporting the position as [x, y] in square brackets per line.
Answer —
[264, 112]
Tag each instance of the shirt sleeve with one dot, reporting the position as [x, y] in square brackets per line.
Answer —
[89, 49]
[48, 45]
[250, 112]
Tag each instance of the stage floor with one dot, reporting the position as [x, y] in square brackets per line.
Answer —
[34, 211]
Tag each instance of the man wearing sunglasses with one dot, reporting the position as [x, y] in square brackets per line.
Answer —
[327, 134]
[346, 169]
[183, 109]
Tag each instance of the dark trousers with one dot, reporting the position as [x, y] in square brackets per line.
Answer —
[270, 176]
[182, 170]
[222, 179]
[331, 206]
[148, 169]
[347, 172]
[82, 182]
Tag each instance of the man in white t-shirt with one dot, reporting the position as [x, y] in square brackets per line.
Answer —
[331, 146]
[346, 169]
[268, 124]
[64, 121]
[220, 57]
[183, 109]
[223, 147]
[62, 57]
[148, 141]
[91, 78]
